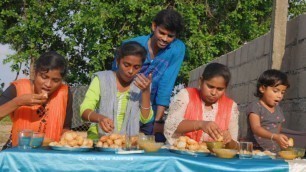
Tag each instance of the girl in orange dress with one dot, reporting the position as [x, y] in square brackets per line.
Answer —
[43, 104]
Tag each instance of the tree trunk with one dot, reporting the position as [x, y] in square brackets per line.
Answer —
[279, 26]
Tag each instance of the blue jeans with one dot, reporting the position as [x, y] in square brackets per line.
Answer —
[147, 128]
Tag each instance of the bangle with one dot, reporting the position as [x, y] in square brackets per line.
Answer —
[272, 137]
[145, 108]
[273, 146]
[89, 115]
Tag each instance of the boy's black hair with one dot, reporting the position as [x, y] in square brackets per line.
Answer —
[170, 19]
[131, 48]
[49, 61]
[216, 69]
[271, 78]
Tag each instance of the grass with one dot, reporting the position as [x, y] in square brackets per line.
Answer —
[6, 120]
[5, 130]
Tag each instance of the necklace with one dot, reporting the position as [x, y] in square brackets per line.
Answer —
[42, 112]
[120, 84]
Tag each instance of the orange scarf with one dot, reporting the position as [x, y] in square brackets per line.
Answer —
[26, 117]
[194, 111]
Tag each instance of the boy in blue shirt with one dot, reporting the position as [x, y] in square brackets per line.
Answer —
[164, 59]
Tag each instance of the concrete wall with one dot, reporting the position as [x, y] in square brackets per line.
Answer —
[250, 60]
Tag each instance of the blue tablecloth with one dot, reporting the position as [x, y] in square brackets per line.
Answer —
[43, 159]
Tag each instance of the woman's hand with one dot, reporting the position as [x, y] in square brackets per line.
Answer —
[31, 99]
[281, 140]
[212, 129]
[106, 124]
[143, 82]
[226, 137]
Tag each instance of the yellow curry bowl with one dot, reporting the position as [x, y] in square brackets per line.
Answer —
[214, 145]
[300, 152]
[225, 153]
[149, 146]
[288, 155]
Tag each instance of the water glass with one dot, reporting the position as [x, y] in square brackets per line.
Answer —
[37, 139]
[24, 139]
[141, 139]
[150, 138]
[130, 142]
[245, 150]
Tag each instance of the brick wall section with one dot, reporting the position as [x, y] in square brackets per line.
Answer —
[250, 60]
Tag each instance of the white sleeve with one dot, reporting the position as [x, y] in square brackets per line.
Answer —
[233, 124]
[176, 115]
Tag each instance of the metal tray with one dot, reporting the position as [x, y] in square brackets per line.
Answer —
[63, 148]
[262, 156]
[107, 149]
[189, 152]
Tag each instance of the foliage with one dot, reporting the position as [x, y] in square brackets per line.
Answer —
[296, 8]
[87, 32]
[6, 120]
[176, 90]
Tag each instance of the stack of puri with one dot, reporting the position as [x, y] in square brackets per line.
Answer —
[115, 141]
[187, 144]
[72, 139]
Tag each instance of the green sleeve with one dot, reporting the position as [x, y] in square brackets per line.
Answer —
[92, 132]
[92, 96]
[144, 120]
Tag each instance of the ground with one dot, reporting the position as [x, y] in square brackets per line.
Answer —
[4, 133]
